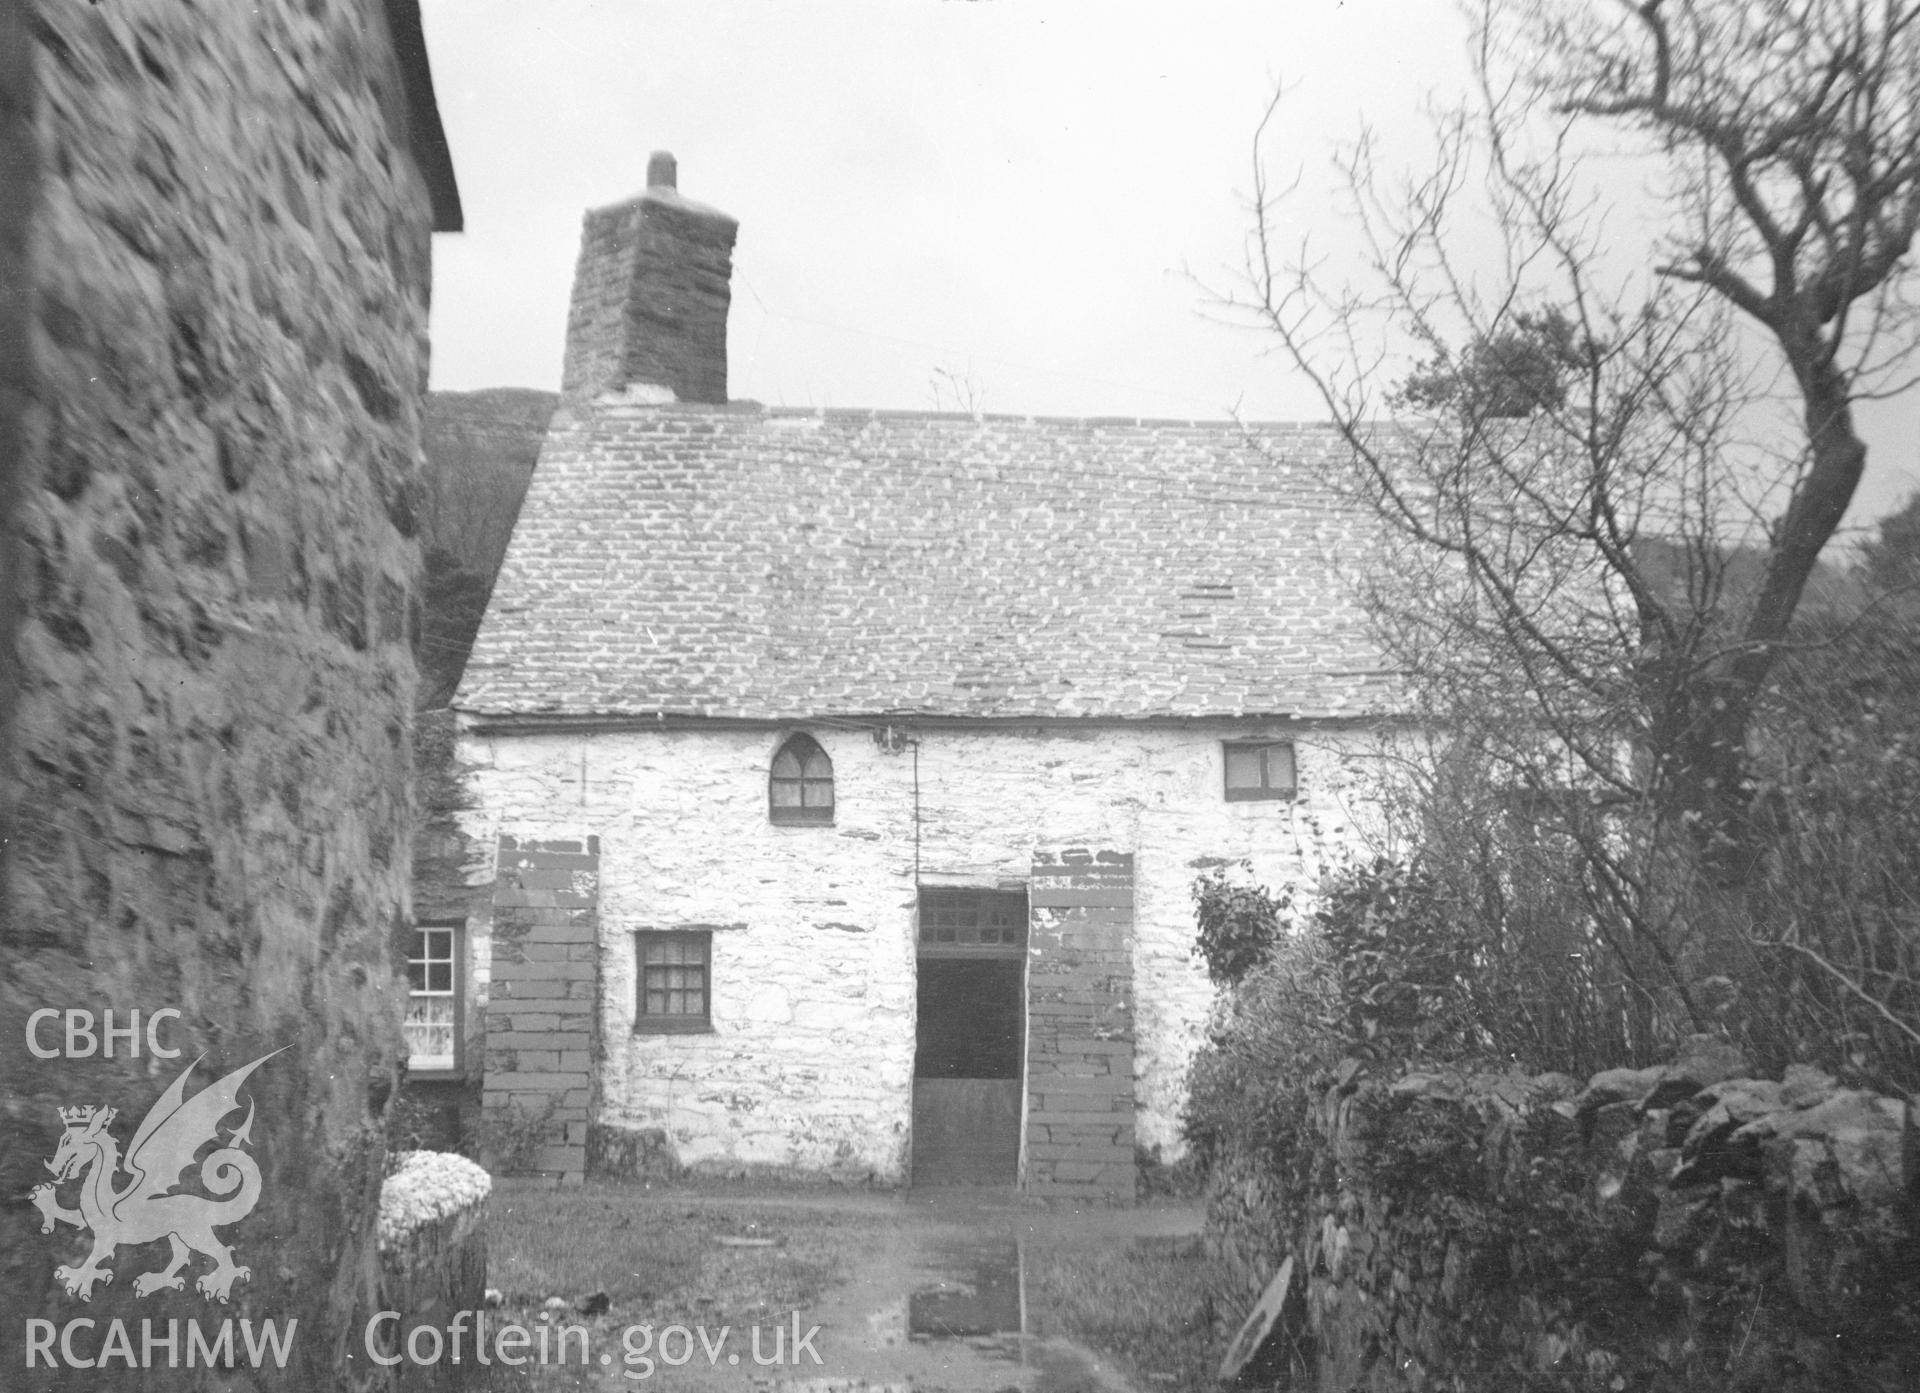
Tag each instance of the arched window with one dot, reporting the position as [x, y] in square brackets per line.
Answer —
[800, 787]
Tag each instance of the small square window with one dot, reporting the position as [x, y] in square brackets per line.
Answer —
[675, 982]
[1258, 769]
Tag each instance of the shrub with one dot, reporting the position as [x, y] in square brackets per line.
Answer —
[1280, 1027]
[1404, 960]
[1239, 923]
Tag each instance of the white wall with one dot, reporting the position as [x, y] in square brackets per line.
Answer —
[811, 1058]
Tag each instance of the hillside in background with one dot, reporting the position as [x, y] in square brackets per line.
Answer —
[480, 448]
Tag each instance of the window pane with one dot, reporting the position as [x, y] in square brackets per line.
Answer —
[440, 944]
[785, 765]
[817, 793]
[1243, 769]
[429, 1032]
[673, 975]
[416, 977]
[439, 977]
[663, 950]
[786, 793]
[1280, 766]
[419, 948]
[818, 766]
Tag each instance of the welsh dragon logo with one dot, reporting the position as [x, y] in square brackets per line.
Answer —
[147, 1207]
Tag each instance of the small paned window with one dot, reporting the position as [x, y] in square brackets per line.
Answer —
[1259, 769]
[800, 786]
[432, 1025]
[675, 987]
[973, 922]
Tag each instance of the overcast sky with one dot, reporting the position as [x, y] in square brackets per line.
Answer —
[1029, 205]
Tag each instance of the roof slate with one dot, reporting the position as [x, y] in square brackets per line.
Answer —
[768, 564]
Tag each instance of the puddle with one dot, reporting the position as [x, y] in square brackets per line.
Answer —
[980, 1292]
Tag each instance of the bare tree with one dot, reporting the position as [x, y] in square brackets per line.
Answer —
[1608, 464]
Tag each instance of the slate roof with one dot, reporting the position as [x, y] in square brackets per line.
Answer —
[733, 561]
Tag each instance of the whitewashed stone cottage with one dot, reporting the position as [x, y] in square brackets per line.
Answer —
[847, 772]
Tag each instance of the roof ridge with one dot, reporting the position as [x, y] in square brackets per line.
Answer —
[749, 407]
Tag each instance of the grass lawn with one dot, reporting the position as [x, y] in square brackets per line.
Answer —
[661, 1258]
[1145, 1306]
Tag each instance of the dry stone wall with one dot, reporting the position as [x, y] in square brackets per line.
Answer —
[211, 540]
[1684, 1226]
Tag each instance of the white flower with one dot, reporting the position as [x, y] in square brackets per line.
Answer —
[427, 1186]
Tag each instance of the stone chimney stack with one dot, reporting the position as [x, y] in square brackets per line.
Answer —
[650, 297]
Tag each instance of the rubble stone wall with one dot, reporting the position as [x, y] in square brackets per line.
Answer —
[809, 1065]
[211, 540]
[1675, 1227]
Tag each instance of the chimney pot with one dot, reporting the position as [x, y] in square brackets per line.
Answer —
[663, 170]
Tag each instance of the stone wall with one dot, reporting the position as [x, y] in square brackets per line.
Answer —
[650, 296]
[809, 1065]
[1080, 1083]
[542, 1026]
[210, 553]
[1684, 1226]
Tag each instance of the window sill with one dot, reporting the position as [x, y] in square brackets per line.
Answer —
[791, 818]
[647, 1026]
[1261, 795]
[453, 1075]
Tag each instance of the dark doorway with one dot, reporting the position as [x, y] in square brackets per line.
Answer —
[970, 1042]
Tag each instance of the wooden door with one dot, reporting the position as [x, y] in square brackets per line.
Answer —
[970, 1037]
